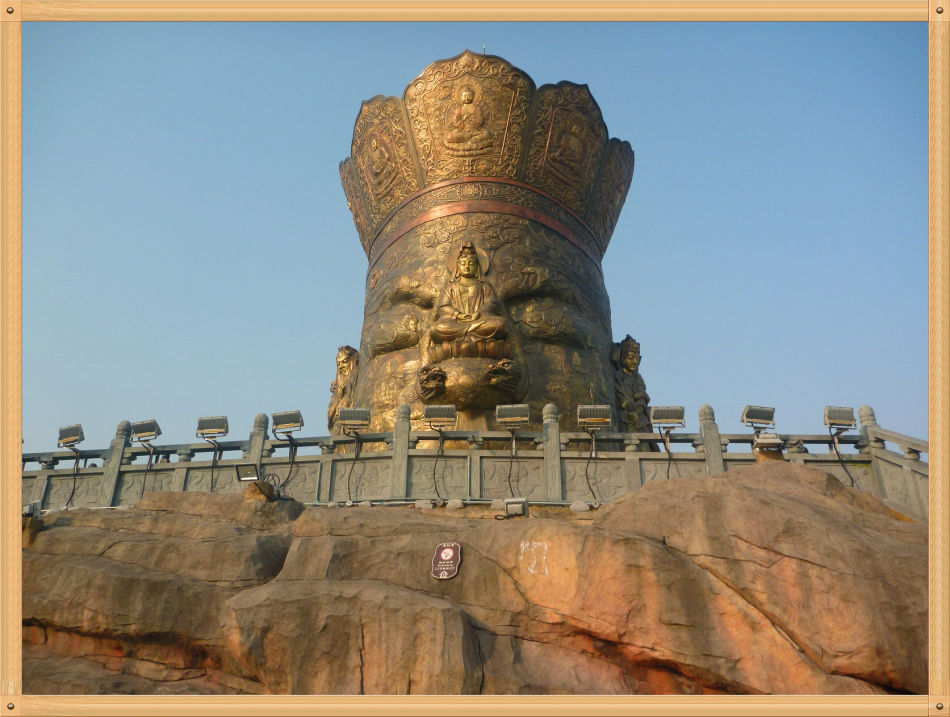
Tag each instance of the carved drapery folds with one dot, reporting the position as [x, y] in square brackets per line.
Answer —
[484, 206]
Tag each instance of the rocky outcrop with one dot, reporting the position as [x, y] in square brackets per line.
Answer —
[770, 579]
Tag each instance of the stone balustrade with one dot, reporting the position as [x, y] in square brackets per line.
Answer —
[551, 466]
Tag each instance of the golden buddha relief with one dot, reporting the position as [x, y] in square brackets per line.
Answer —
[567, 144]
[466, 131]
[382, 152]
[468, 116]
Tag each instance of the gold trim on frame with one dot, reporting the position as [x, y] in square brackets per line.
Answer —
[12, 702]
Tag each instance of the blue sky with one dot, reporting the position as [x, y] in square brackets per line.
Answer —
[187, 249]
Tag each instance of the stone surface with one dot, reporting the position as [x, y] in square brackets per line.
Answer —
[770, 579]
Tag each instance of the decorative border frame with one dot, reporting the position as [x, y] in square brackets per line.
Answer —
[14, 12]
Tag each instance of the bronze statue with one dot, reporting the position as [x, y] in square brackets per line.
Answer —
[341, 390]
[484, 283]
[632, 399]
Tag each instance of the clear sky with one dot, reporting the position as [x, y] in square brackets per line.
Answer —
[187, 249]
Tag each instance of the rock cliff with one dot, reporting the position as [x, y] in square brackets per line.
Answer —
[770, 579]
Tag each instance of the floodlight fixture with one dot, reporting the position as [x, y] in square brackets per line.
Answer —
[247, 472]
[353, 419]
[840, 418]
[515, 507]
[32, 509]
[145, 431]
[767, 441]
[758, 417]
[668, 416]
[512, 416]
[594, 417]
[212, 427]
[287, 422]
[440, 417]
[70, 436]
[664, 418]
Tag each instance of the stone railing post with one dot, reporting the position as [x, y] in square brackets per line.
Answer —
[868, 443]
[112, 465]
[711, 440]
[552, 453]
[868, 420]
[399, 481]
[257, 440]
[179, 477]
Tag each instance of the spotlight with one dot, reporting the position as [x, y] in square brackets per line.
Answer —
[767, 441]
[665, 418]
[247, 472]
[593, 417]
[441, 417]
[70, 436]
[515, 507]
[840, 417]
[513, 415]
[758, 417]
[352, 419]
[212, 427]
[145, 431]
[287, 421]
[668, 416]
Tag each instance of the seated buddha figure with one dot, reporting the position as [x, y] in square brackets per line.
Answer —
[466, 132]
[467, 316]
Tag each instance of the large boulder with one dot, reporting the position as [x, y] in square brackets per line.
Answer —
[769, 579]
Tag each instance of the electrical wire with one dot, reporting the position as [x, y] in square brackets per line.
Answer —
[293, 456]
[834, 443]
[214, 460]
[511, 461]
[349, 474]
[151, 453]
[436, 462]
[669, 453]
[593, 450]
[75, 476]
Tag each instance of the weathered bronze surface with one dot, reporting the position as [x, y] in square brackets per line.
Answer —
[484, 206]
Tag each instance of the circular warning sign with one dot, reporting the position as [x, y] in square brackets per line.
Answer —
[445, 562]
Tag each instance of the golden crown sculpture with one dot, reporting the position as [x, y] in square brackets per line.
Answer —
[472, 133]
[484, 206]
